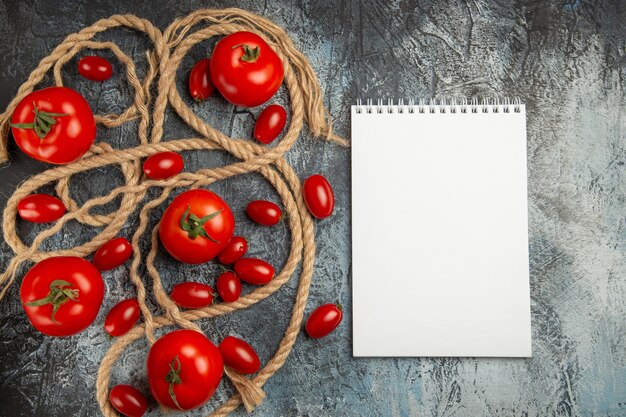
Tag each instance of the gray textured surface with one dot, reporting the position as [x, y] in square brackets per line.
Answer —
[567, 60]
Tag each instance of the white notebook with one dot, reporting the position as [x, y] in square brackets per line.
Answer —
[440, 229]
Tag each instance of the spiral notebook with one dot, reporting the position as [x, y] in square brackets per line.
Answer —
[440, 229]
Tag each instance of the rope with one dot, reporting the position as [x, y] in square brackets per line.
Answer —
[169, 49]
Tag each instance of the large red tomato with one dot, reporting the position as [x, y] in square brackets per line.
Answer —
[196, 226]
[62, 295]
[54, 125]
[245, 70]
[184, 369]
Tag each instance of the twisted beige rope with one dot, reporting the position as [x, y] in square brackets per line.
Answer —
[170, 47]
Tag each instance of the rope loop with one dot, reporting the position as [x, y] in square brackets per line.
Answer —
[168, 50]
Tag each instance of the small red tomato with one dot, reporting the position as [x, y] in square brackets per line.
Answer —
[128, 401]
[122, 317]
[62, 295]
[112, 254]
[95, 68]
[239, 355]
[323, 320]
[184, 369]
[264, 212]
[319, 196]
[54, 125]
[200, 84]
[228, 286]
[254, 271]
[192, 295]
[163, 165]
[245, 69]
[236, 248]
[270, 123]
[40, 208]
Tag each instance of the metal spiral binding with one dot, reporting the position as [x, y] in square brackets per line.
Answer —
[440, 105]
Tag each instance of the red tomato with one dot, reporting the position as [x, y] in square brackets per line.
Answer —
[128, 401]
[112, 254]
[95, 68]
[122, 317]
[184, 369]
[323, 320]
[62, 295]
[40, 208]
[163, 165]
[318, 196]
[245, 70]
[236, 248]
[264, 212]
[239, 355]
[270, 123]
[228, 287]
[54, 125]
[200, 85]
[192, 295]
[254, 271]
[196, 226]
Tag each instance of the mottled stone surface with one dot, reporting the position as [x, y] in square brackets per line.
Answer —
[566, 60]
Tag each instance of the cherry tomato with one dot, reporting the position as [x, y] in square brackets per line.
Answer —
[270, 123]
[40, 208]
[323, 320]
[196, 226]
[254, 271]
[239, 355]
[200, 85]
[62, 295]
[54, 125]
[128, 400]
[163, 165]
[236, 248]
[95, 68]
[264, 212]
[112, 254]
[228, 286]
[192, 295]
[184, 369]
[122, 317]
[245, 69]
[318, 196]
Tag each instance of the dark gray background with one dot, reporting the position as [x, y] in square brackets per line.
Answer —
[566, 60]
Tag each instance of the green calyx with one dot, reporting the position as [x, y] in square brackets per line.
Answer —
[249, 54]
[173, 378]
[60, 293]
[194, 225]
[43, 122]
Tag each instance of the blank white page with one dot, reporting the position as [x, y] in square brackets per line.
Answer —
[440, 232]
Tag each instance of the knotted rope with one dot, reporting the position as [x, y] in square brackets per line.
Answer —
[169, 48]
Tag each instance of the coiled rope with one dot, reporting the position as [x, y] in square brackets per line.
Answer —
[169, 48]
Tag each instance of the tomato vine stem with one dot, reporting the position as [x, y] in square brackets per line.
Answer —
[42, 123]
[173, 378]
[194, 225]
[249, 54]
[60, 293]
